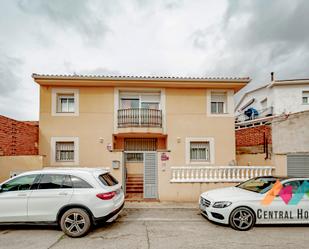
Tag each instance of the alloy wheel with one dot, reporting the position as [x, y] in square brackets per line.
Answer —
[242, 219]
[75, 222]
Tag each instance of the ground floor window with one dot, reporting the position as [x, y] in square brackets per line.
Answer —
[64, 151]
[134, 157]
[200, 150]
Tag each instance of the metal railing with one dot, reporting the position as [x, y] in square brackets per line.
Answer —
[267, 112]
[139, 117]
[218, 173]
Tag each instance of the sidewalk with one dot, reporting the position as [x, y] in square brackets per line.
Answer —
[162, 205]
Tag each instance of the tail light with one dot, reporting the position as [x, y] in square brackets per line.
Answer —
[106, 196]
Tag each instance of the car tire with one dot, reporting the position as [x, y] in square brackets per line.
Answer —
[242, 219]
[75, 222]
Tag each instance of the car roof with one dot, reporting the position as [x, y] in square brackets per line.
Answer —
[67, 170]
[284, 178]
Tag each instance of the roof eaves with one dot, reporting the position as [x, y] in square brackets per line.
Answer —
[122, 77]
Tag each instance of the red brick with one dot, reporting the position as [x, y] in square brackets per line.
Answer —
[253, 136]
[18, 137]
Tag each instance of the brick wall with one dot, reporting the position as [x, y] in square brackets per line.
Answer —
[18, 137]
[251, 140]
[253, 136]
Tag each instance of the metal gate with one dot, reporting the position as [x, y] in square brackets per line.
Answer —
[298, 165]
[150, 175]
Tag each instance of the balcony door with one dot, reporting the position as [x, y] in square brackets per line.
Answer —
[131, 100]
[139, 109]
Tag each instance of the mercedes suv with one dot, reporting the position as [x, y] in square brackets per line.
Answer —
[74, 198]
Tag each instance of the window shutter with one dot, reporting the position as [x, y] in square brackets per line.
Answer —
[218, 97]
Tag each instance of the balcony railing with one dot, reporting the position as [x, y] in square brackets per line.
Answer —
[139, 117]
[218, 173]
[256, 114]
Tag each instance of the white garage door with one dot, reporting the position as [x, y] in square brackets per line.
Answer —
[298, 165]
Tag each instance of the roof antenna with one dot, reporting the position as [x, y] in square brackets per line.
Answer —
[272, 76]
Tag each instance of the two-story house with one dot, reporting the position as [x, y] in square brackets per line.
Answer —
[139, 127]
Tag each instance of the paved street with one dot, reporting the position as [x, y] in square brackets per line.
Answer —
[161, 226]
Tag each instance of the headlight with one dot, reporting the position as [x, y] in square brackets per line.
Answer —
[221, 204]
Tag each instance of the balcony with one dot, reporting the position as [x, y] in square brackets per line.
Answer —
[251, 114]
[139, 117]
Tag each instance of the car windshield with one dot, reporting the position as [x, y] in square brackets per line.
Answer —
[258, 185]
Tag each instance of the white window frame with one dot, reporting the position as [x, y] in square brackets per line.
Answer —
[117, 97]
[58, 92]
[139, 96]
[211, 142]
[53, 142]
[305, 94]
[228, 107]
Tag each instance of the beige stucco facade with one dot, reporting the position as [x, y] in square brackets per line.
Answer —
[11, 165]
[186, 116]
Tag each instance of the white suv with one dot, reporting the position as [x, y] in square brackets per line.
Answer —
[74, 198]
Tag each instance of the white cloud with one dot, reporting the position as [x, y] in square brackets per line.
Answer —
[144, 37]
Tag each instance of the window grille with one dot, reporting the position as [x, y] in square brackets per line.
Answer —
[199, 151]
[64, 151]
[134, 157]
[140, 144]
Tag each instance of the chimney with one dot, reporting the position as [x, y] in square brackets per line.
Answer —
[272, 78]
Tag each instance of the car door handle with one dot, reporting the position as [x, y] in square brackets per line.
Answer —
[63, 193]
[22, 194]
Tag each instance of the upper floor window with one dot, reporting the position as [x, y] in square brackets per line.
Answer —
[306, 97]
[65, 102]
[218, 102]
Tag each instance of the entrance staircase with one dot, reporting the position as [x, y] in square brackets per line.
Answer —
[134, 187]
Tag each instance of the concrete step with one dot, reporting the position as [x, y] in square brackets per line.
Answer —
[134, 184]
[135, 179]
[134, 189]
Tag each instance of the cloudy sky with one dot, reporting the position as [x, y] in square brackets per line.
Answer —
[147, 37]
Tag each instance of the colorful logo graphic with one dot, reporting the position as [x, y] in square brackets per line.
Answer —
[291, 195]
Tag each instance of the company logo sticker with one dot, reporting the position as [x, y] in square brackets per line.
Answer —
[286, 193]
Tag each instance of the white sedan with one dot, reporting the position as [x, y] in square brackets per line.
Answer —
[261, 200]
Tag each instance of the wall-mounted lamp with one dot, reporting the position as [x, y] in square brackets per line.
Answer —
[178, 140]
[101, 140]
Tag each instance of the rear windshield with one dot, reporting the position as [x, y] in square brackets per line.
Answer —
[108, 180]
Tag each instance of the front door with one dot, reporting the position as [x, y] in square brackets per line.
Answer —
[150, 175]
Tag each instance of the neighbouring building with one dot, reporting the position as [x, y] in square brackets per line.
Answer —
[18, 146]
[273, 99]
[272, 127]
[162, 137]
